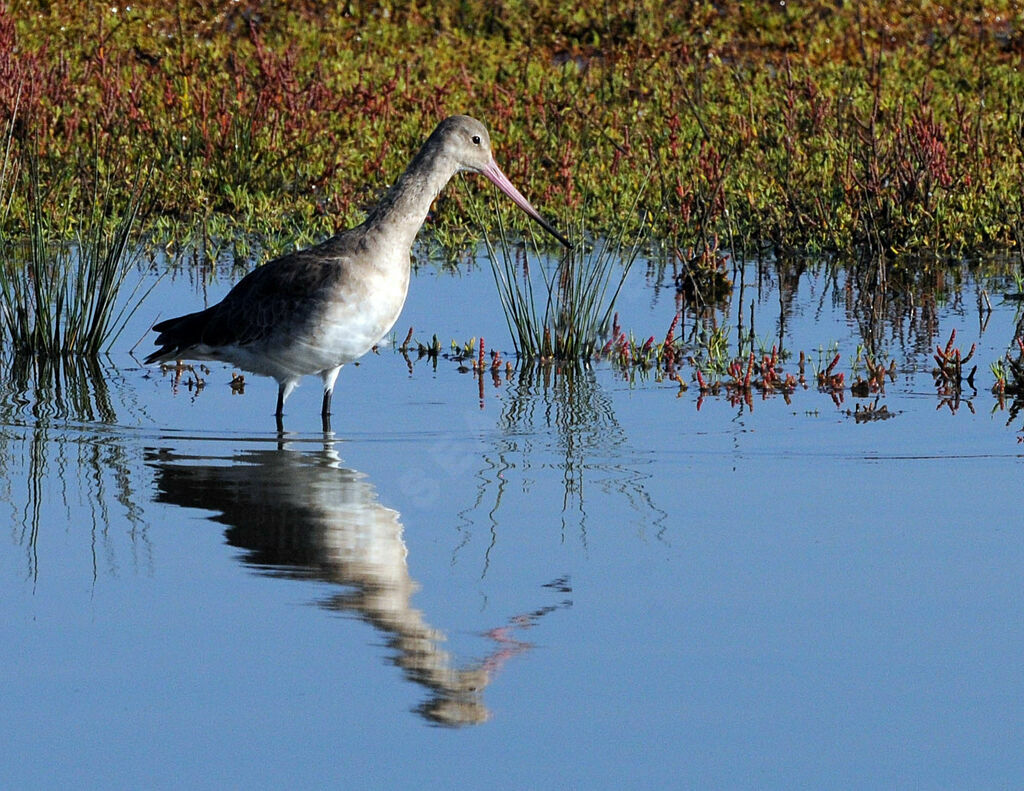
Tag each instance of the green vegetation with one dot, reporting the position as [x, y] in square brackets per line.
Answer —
[60, 297]
[565, 318]
[865, 132]
[875, 126]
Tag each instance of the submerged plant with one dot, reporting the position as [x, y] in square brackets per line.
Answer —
[563, 317]
[1009, 371]
[874, 382]
[949, 375]
[704, 278]
[867, 413]
[59, 297]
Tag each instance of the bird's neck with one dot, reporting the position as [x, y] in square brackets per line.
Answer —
[401, 212]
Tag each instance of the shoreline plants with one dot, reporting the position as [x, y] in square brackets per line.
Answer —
[872, 127]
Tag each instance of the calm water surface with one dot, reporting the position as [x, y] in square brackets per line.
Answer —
[540, 583]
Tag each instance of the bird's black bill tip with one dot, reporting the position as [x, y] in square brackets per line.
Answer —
[551, 230]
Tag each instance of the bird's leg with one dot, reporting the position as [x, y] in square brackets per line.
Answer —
[280, 402]
[325, 413]
[329, 376]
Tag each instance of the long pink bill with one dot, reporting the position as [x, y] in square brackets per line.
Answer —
[500, 180]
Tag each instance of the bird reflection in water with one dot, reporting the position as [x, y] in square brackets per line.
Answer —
[305, 516]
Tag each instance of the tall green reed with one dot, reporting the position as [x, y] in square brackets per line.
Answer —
[8, 174]
[61, 280]
[563, 316]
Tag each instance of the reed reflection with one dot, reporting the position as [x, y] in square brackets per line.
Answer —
[303, 515]
[46, 389]
[564, 421]
[61, 464]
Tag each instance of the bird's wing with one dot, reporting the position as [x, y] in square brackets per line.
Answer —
[277, 296]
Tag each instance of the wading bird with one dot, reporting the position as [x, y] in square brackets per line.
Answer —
[313, 311]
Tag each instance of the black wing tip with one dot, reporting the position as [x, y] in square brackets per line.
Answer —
[170, 338]
[163, 354]
[166, 324]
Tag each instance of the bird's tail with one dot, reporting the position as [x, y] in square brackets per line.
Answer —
[177, 336]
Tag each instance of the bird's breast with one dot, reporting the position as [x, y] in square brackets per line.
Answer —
[357, 318]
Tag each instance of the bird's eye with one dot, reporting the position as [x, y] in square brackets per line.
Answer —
[476, 140]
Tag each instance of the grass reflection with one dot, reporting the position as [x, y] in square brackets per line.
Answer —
[54, 472]
[565, 411]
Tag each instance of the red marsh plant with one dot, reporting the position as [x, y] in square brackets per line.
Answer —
[950, 361]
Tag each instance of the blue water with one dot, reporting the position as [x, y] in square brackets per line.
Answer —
[586, 583]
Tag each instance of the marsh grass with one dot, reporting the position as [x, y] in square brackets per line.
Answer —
[61, 288]
[560, 312]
